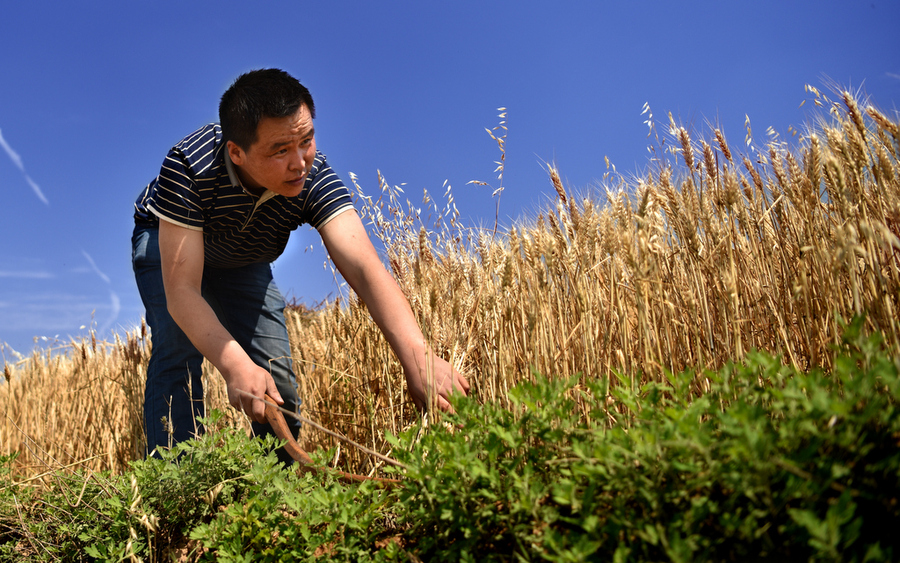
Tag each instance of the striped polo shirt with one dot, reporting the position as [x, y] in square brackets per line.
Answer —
[198, 188]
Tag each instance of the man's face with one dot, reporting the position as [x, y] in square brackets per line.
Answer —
[281, 157]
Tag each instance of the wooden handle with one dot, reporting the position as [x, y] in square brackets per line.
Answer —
[279, 425]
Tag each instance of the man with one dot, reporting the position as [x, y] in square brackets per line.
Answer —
[206, 230]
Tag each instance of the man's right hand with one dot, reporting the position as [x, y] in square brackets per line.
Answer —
[256, 381]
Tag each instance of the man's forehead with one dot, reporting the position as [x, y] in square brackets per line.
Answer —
[280, 130]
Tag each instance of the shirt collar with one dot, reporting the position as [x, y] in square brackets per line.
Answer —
[236, 181]
[232, 173]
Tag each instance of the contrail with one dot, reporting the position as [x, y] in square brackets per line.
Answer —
[37, 190]
[115, 303]
[116, 306]
[17, 160]
[94, 267]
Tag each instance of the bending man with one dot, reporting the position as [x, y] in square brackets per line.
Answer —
[206, 231]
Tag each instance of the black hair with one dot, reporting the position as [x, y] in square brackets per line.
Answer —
[269, 92]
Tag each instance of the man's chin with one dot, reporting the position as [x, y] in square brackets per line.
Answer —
[291, 190]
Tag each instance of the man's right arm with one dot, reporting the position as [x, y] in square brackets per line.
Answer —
[181, 251]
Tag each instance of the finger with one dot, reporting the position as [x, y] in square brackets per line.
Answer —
[259, 411]
[461, 383]
[444, 405]
[252, 408]
[272, 390]
[236, 400]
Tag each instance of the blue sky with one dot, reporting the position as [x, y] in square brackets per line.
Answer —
[93, 94]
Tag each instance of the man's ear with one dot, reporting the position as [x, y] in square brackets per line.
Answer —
[235, 152]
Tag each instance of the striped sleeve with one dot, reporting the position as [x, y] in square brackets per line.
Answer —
[327, 197]
[177, 198]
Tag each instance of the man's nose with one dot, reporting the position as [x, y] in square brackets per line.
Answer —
[298, 160]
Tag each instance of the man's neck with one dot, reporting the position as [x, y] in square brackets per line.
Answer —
[246, 183]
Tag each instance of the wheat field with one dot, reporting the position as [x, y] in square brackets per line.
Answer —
[708, 254]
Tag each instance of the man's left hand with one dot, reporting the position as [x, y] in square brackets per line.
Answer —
[435, 380]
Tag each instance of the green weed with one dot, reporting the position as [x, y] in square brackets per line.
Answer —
[767, 463]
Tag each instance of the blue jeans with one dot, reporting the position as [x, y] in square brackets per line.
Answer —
[247, 303]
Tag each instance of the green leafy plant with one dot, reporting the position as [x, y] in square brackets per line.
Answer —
[147, 511]
[755, 461]
[768, 462]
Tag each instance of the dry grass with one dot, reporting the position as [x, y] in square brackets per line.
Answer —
[81, 406]
[709, 254]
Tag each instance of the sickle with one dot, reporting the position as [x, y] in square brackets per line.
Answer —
[279, 425]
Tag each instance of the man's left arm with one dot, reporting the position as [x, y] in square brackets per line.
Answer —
[354, 255]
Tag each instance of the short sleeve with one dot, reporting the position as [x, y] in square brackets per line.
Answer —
[327, 197]
[177, 198]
